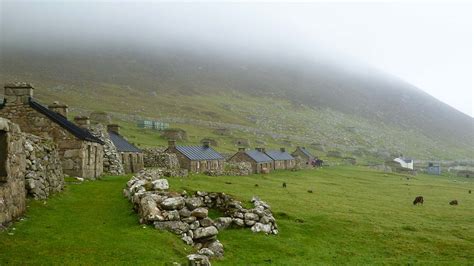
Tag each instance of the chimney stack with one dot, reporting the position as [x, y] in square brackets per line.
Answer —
[61, 109]
[18, 93]
[114, 128]
[282, 149]
[206, 143]
[82, 121]
[172, 143]
[241, 149]
[260, 149]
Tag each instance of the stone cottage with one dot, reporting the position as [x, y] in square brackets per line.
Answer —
[81, 153]
[260, 161]
[198, 158]
[306, 157]
[12, 172]
[281, 159]
[132, 157]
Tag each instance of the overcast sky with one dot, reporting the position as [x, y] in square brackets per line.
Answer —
[426, 44]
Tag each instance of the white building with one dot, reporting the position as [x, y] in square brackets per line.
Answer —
[404, 162]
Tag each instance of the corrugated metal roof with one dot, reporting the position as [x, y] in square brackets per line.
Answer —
[199, 152]
[259, 157]
[122, 144]
[279, 155]
[74, 129]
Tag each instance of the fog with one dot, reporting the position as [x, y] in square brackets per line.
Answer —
[428, 45]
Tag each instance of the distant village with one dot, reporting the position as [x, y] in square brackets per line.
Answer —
[39, 146]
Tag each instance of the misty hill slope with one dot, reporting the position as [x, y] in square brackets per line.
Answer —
[304, 101]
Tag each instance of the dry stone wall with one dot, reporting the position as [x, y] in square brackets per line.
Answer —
[44, 174]
[187, 215]
[156, 157]
[112, 158]
[12, 181]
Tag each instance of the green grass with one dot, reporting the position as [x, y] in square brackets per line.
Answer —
[353, 216]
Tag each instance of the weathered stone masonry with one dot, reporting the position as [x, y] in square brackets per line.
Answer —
[12, 172]
[80, 152]
[44, 174]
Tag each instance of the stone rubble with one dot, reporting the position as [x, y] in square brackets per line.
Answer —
[187, 215]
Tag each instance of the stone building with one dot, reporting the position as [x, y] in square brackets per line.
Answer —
[281, 159]
[433, 168]
[260, 161]
[112, 159]
[306, 157]
[198, 158]
[81, 153]
[12, 172]
[131, 156]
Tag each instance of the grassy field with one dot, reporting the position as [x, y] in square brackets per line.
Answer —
[353, 216]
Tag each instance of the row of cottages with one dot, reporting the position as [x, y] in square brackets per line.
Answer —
[81, 152]
[197, 158]
[201, 158]
[132, 157]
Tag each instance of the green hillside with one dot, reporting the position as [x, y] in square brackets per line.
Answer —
[353, 216]
[370, 116]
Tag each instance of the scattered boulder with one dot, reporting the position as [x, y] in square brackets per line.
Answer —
[453, 202]
[198, 260]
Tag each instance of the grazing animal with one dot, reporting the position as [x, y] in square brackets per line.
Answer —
[469, 191]
[417, 200]
[256, 185]
[228, 183]
[310, 191]
[453, 202]
[284, 184]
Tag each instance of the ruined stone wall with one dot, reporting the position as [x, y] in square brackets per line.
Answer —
[156, 157]
[238, 168]
[132, 162]
[13, 165]
[72, 151]
[242, 157]
[112, 161]
[44, 174]
[304, 161]
[188, 215]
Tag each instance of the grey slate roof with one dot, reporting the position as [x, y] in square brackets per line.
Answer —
[74, 129]
[306, 152]
[122, 144]
[199, 152]
[257, 156]
[279, 155]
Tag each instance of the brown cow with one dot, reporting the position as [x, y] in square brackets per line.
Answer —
[417, 200]
[453, 202]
